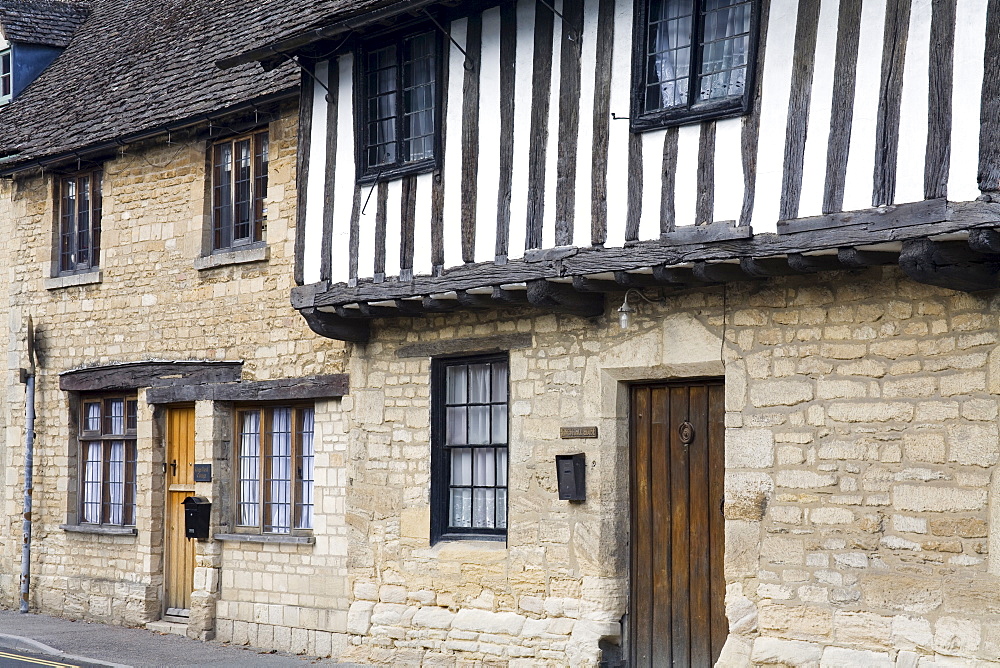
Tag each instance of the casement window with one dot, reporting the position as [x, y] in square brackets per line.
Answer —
[398, 99]
[239, 186]
[275, 468]
[6, 77]
[107, 460]
[469, 456]
[693, 60]
[80, 221]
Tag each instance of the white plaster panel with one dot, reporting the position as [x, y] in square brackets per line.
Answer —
[861, 156]
[820, 106]
[913, 107]
[489, 138]
[316, 181]
[970, 45]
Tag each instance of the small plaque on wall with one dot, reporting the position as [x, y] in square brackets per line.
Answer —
[203, 473]
[577, 432]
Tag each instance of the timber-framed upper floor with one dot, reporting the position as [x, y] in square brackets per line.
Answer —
[462, 154]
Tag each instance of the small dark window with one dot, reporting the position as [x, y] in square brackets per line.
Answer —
[693, 60]
[275, 468]
[239, 186]
[80, 222]
[469, 481]
[6, 77]
[107, 460]
[399, 100]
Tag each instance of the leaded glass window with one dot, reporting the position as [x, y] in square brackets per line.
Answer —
[275, 468]
[80, 202]
[108, 460]
[471, 402]
[239, 188]
[695, 59]
[399, 80]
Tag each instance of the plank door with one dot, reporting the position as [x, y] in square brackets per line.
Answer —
[677, 601]
[178, 578]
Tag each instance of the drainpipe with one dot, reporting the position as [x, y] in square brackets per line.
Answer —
[28, 377]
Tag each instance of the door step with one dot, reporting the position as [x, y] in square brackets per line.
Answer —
[167, 626]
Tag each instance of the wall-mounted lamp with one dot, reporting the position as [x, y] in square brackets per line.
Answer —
[625, 311]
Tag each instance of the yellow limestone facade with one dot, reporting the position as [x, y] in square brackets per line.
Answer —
[861, 517]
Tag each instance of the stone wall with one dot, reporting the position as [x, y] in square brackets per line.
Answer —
[861, 438]
[149, 302]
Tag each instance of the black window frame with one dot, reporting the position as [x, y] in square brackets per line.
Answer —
[258, 183]
[366, 174]
[695, 111]
[70, 234]
[440, 458]
[298, 499]
[105, 437]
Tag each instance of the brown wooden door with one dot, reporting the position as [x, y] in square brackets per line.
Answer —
[178, 578]
[676, 608]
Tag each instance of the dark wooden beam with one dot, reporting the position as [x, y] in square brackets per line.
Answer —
[805, 264]
[285, 389]
[766, 267]
[628, 280]
[956, 217]
[411, 307]
[563, 298]
[467, 300]
[676, 276]
[134, 375]
[439, 305]
[512, 297]
[584, 284]
[719, 272]
[853, 258]
[949, 264]
[369, 311]
[333, 326]
[985, 240]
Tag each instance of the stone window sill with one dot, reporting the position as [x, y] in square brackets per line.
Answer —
[98, 529]
[69, 280]
[242, 256]
[264, 538]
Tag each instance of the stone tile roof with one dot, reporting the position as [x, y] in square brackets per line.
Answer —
[292, 23]
[44, 22]
[135, 66]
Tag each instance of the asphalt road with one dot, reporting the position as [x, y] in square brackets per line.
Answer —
[12, 659]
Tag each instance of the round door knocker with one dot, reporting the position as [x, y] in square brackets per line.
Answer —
[686, 432]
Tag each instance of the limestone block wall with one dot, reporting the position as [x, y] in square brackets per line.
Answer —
[149, 303]
[860, 445]
[295, 597]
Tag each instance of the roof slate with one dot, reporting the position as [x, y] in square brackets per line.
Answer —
[44, 22]
[290, 19]
[135, 66]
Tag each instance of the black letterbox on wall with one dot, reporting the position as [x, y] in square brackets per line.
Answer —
[570, 473]
[197, 513]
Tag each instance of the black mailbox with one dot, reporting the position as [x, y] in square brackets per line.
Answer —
[197, 513]
[571, 474]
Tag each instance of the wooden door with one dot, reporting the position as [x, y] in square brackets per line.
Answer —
[178, 578]
[676, 607]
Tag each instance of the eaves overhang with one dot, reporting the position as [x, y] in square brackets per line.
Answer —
[338, 25]
[954, 245]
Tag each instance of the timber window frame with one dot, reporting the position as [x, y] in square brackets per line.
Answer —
[274, 472]
[470, 401]
[692, 70]
[107, 460]
[80, 199]
[239, 167]
[397, 103]
[6, 75]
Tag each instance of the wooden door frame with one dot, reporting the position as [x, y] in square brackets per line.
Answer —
[716, 436]
[165, 431]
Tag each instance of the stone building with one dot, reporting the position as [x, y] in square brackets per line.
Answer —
[764, 359]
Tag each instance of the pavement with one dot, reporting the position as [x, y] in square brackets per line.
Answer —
[104, 645]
